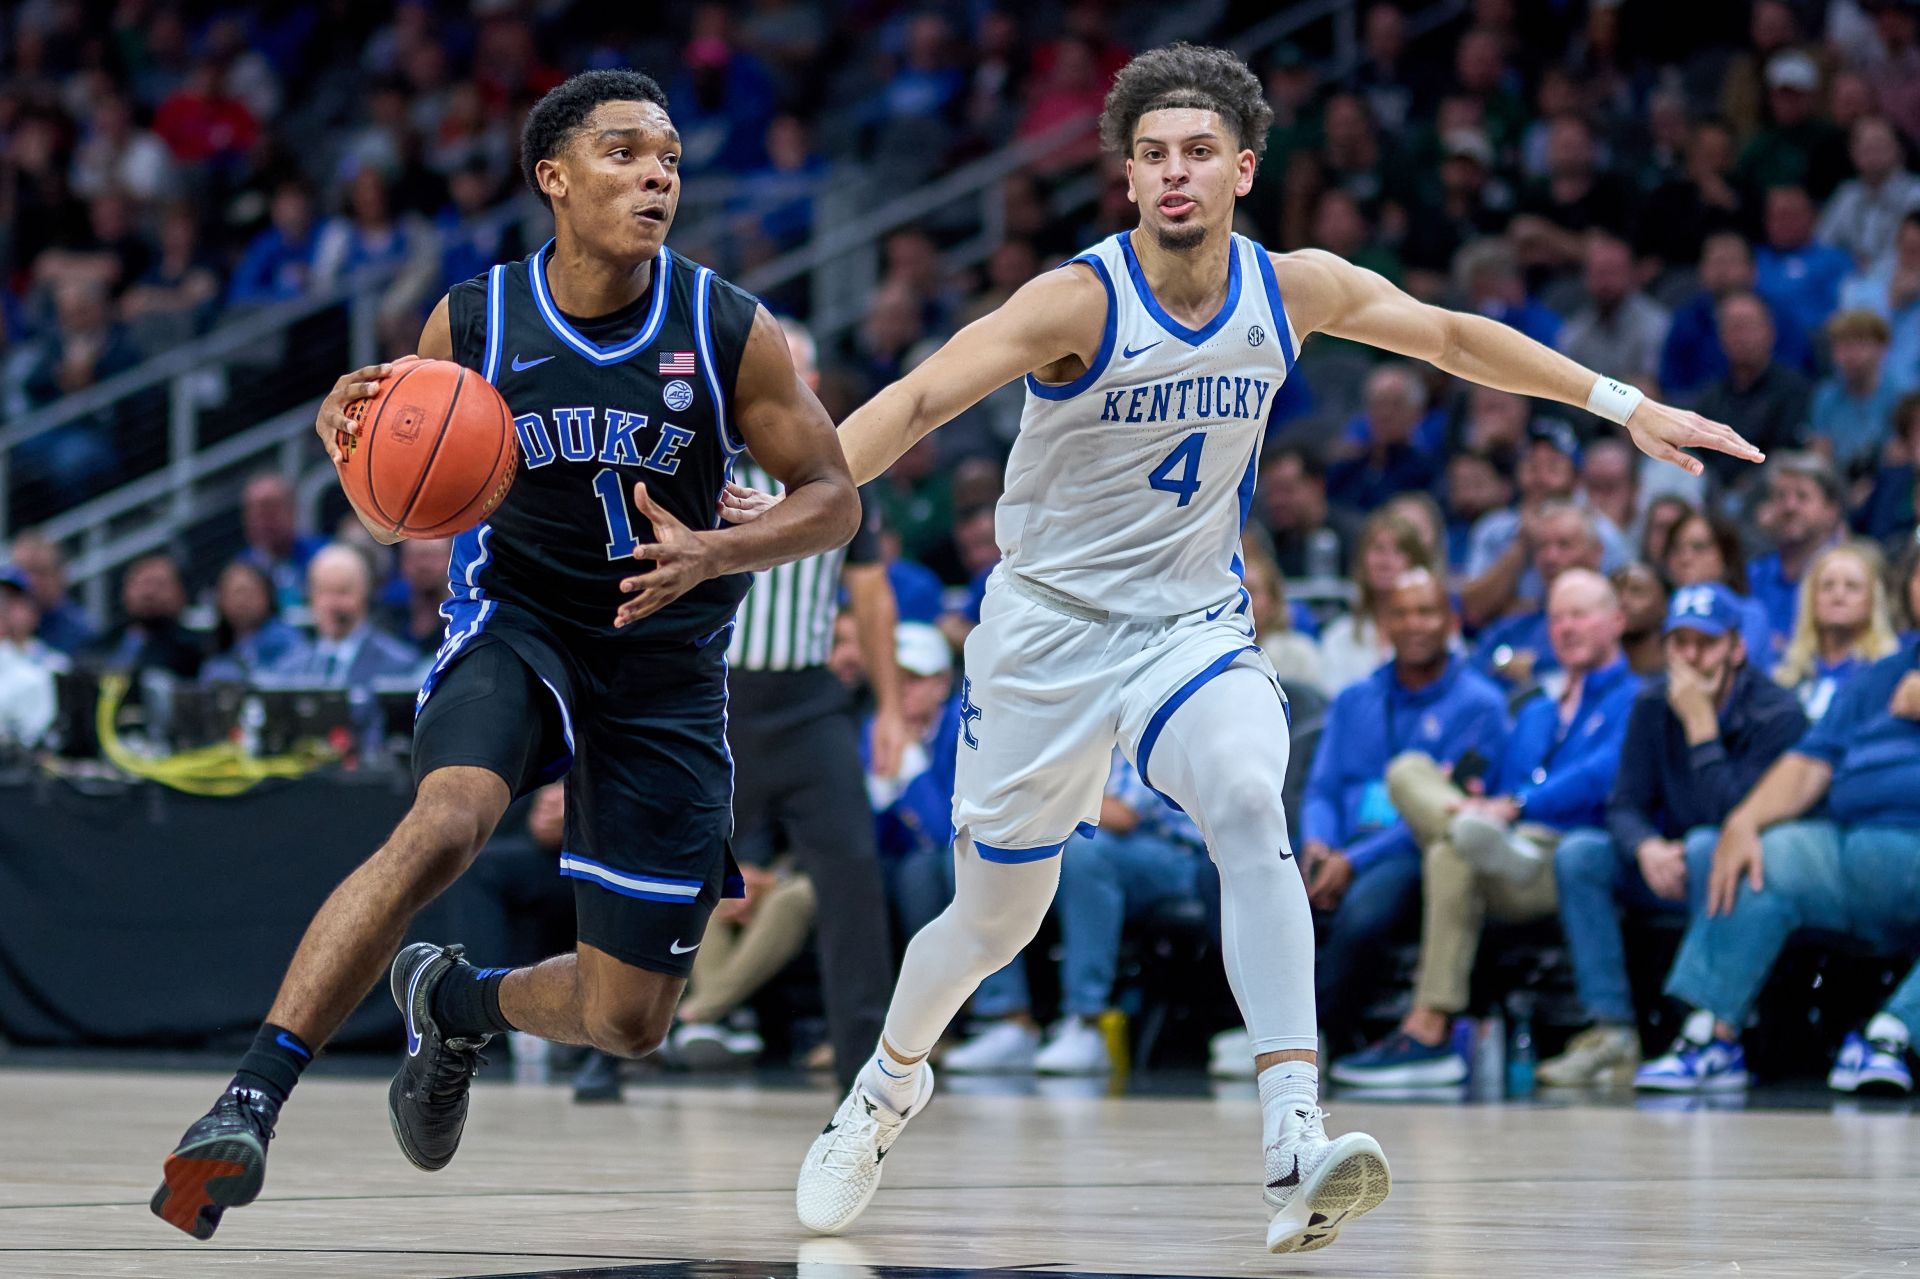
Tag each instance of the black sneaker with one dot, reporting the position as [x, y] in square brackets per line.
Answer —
[598, 1079]
[219, 1164]
[428, 1100]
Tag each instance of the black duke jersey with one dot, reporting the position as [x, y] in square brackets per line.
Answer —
[642, 394]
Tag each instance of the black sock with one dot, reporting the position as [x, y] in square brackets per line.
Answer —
[273, 1065]
[466, 1003]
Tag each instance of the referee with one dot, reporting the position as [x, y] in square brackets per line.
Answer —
[799, 785]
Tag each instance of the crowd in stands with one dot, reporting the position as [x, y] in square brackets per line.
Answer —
[1533, 675]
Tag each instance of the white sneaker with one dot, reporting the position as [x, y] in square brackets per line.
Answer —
[710, 1046]
[842, 1168]
[1316, 1185]
[1495, 849]
[1597, 1055]
[1076, 1049]
[1003, 1047]
[1231, 1054]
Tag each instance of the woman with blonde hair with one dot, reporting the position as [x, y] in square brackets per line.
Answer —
[1294, 656]
[1843, 625]
[1355, 645]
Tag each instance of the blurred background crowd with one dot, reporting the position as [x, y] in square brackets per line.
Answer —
[1716, 201]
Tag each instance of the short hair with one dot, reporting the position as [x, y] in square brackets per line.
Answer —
[1192, 76]
[1412, 388]
[1809, 466]
[558, 115]
[341, 553]
[1726, 539]
[1311, 464]
[1553, 508]
[1858, 325]
[1491, 255]
[1906, 413]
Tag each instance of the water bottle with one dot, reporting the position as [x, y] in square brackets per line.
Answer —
[1489, 1068]
[253, 718]
[1323, 553]
[1114, 1030]
[1520, 1054]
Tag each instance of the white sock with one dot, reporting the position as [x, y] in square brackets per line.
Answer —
[1283, 1087]
[895, 1085]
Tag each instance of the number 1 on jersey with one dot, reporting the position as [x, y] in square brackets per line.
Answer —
[1186, 459]
[613, 504]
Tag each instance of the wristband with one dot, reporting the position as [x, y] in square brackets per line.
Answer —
[1614, 401]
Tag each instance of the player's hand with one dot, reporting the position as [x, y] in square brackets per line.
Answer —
[742, 505]
[1661, 431]
[332, 421]
[888, 741]
[1735, 857]
[1906, 697]
[682, 559]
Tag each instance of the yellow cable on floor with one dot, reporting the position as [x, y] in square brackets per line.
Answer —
[218, 771]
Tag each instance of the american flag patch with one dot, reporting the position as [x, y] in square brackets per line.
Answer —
[676, 363]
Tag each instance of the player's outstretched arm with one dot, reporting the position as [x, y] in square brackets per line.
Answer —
[791, 437]
[1328, 294]
[1055, 315]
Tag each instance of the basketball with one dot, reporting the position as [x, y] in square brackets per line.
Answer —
[436, 451]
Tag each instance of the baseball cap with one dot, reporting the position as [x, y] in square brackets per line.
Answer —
[922, 649]
[1709, 607]
[14, 576]
[1792, 69]
[1467, 144]
[1558, 433]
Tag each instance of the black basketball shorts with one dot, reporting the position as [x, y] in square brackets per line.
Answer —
[638, 734]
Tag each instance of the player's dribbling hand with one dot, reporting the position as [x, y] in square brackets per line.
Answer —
[681, 560]
[332, 421]
[742, 505]
[1661, 431]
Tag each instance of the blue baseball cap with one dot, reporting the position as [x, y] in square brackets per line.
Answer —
[14, 576]
[1710, 608]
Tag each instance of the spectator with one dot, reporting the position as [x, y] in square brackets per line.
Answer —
[1797, 147]
[1887, 512]
[1772, 28]
[248, 638]
[1144, 855]
[1489, 278]
[87, 347]
[1797, 271]
[1775, 872]
[1500, 577]
[27, 666]
[64, 625]
[1664, 513]
[1469, 203]
[1697, 740]
[1802, 514]
[1476, 486]
[1573, 199]
[1891, 289]
[913, 808]
[279, 263]
[1355, 644]
[1863, 215]
[118, 155]
[1482, 77]
[1386, 455]
[275, 544]
[1610, 482]
[367, 237]
[152, 598]
[1517, 648]
[1295, 657]
[1687, 208]
[1310, 538]
[1620, 329]
[1393, 84]
[1073, 88]
[204, 125]
[1361, 862]
[1694, 355]
[1423, 513]
[1497, 423]
[1852, 410]
[1843, 625]
[176, 297]
[411, 609]
[1706, 548]
[1643, 603]
[1491, 854]
[749, 941]
[1759, 396]
[346, 651]
[1896, 76]
[1903, 587]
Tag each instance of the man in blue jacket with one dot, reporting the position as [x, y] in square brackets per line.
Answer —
[1698, 739]
[1361, 861]
[1856, 872]
[1560, 536]
[1491, 853]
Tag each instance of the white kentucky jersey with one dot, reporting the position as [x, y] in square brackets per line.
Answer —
[1128, 486]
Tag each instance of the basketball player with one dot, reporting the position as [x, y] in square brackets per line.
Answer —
[1117, 614]
[636, 379]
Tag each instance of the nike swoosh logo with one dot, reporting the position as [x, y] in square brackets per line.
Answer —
[413, 1036]
[678, 949]
[1216, 612]
[1128, 352]
[1291, 1179]
[520, 367]
[286, 1041]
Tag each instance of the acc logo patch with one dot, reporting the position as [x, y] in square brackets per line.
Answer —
[678, 394]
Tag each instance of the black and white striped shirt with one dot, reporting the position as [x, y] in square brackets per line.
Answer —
[786, 622]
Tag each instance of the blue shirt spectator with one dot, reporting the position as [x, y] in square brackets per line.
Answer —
[1804, 279]
[1874, 754]
[279, 263]
[1561, 769]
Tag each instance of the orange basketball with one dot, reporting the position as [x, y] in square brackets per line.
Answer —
[436, 451]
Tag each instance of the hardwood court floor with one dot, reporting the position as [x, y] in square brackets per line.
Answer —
[1137, 1185]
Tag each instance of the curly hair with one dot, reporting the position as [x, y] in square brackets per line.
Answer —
[1187, 75]
[558, 115]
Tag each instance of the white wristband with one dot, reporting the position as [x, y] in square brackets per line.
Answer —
[1613, 400]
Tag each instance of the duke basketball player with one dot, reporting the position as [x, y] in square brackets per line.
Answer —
[1117, 615]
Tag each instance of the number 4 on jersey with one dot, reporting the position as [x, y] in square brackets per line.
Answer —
[1185, 460]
